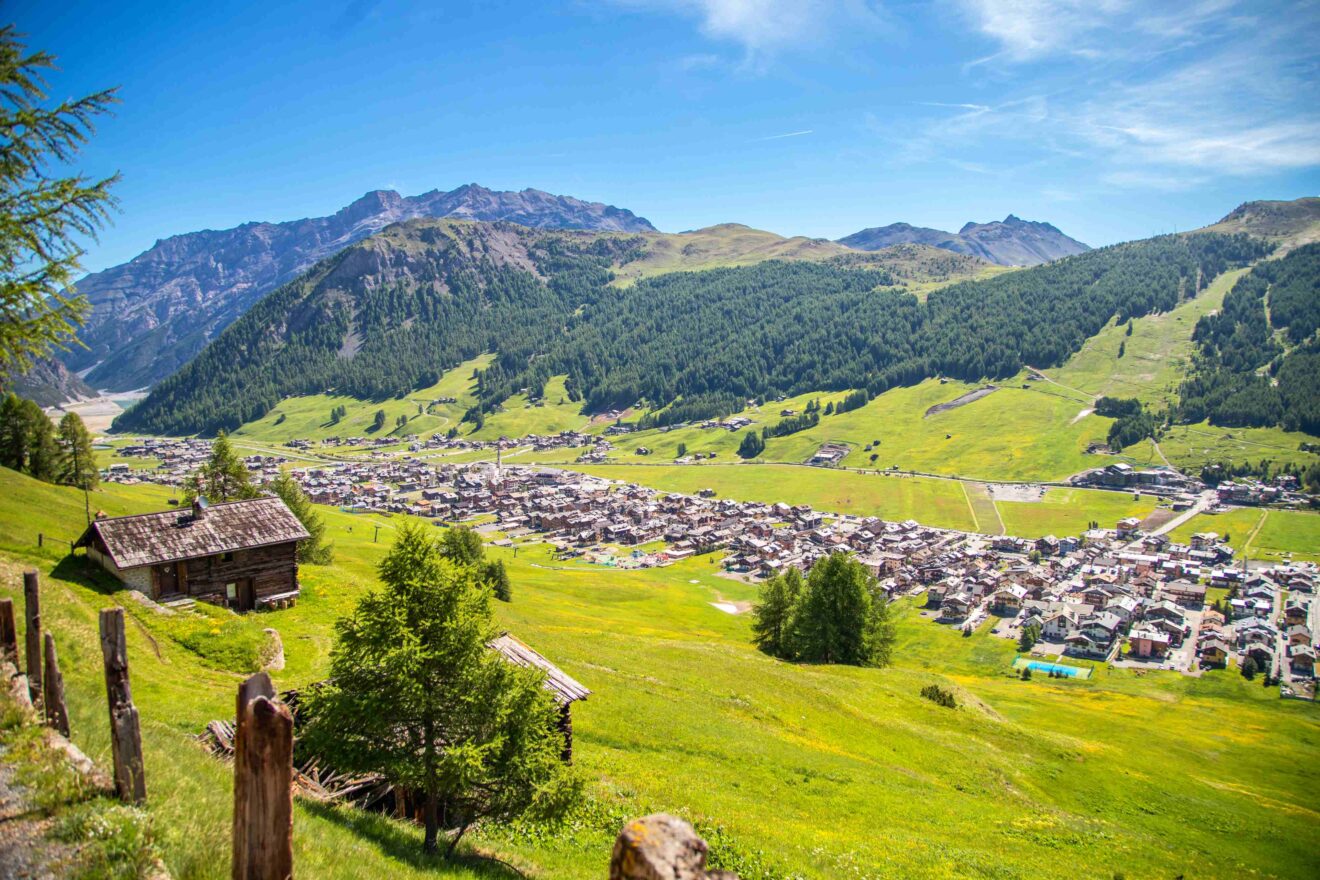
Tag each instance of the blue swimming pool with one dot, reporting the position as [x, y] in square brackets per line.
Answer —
[1058, 669]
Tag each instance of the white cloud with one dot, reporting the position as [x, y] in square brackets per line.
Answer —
[763, 28]
[1168, 107]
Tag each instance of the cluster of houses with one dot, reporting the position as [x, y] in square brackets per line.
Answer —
[177, 460]
[1108, 594]
[1284, 489]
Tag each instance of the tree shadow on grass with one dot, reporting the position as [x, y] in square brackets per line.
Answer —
[404, 844]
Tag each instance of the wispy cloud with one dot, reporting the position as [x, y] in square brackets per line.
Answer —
[1163, 105]
[790, 134]
[765, 28]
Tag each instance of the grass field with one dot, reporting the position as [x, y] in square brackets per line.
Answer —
[934, 502]
[308, 417]
[1266, 535]
[1067, 511]
[802, 771]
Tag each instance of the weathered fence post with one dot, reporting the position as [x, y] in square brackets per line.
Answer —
[263, 784]
[32, 614]
[125, 729]
[57, 714]
[661, 847]
[8, 633]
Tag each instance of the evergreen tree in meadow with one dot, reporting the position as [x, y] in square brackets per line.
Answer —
[224, 477]
[498, 577]
[416, 695]
[315, 549]
[43, 453]
[772, 616]
[77, 462]
[752, 445]
[462, 546]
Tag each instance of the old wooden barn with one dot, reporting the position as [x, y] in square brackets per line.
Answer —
[239, 554]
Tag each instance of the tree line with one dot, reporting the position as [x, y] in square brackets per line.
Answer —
[31, 444]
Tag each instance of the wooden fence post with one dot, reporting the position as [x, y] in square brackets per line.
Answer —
[125, 729]
[57, 714]
[32, 614]
[8, 633]
[263, 784]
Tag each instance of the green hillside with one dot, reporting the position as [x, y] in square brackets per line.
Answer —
[790, 771]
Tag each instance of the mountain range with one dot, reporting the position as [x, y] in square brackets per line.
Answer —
[153, 314]
[1008, 242]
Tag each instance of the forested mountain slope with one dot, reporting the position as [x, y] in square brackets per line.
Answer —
[151, 315]
[1259, 357]
[391, 313]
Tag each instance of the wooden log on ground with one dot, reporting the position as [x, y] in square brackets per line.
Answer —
[263, 784]
[125, 726]
[57, 714]
[32, 616]
[661, 847]
[8, 633]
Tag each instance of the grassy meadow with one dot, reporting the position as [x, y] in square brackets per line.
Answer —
[790, 771]
[1270, 536]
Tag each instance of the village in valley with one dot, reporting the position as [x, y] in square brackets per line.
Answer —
[1119, 593]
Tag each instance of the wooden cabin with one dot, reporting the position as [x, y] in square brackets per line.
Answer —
[239, 554]
[561, 685]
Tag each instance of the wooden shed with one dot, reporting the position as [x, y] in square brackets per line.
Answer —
[561, 685]
[239, 554]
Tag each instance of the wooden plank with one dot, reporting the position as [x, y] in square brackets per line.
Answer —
[8, 633]
[32, 615]
[125, 727]
[57, 714]
[263, 784]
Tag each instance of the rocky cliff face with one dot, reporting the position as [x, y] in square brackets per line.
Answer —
[1008, 242]
[151, 315]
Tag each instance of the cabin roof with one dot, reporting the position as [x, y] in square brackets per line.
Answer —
[565, 689]
[171, 535]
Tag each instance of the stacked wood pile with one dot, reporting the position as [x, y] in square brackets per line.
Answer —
[367, 791]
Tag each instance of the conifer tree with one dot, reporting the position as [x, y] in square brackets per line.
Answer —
[42, 215]
[315, 550]
[224, 477]
[77, 464]
[415, 694]
[43, 453]
[462, 546]
[772, 617]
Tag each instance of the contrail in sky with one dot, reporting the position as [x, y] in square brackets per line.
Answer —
[791, 134]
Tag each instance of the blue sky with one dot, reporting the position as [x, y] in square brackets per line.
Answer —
[1113, 119]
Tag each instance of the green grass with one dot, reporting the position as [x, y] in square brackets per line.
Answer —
[813, 771]
[1190, 446]
[934, 502]
[1156, 355]
[1067, 511]
[1262, 534]
[552, 414]
[308, 417]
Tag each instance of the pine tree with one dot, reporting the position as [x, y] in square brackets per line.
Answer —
[772, 616]
[841, 616]
[43, 453]
[752, 445]
[77, 465]
[462, 546]
[13, 433]
[415, 694]
[43, 216]
[379, 421]
[223, 478]
[498, 578]
[315, 550]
